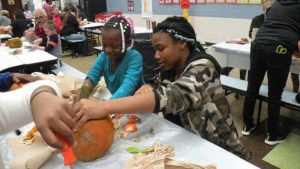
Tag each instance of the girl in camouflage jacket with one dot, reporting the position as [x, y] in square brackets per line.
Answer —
[188, 90]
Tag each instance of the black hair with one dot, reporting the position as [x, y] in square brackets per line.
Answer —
[19, 14]
[183, 28]
[180, 29]
[79, 7]
[25, 7]
[117, 21]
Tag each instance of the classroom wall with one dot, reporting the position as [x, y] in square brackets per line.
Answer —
[212, 22]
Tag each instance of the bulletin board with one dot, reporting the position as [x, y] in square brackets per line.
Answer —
[212, 2]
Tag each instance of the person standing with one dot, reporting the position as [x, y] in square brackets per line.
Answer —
[271, 52]
[28, 15]
[256, 23]
[48, 8]
[38, 36]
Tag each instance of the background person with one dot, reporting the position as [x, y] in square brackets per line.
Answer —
[271, 52]
[57, 18]
[70, 25]
[4, 18]
[48, 8]
[257, 21]
[18, 25]
[28, 15]
[38, 36]
[53, 45]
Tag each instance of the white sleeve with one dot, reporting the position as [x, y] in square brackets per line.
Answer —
[15, 110]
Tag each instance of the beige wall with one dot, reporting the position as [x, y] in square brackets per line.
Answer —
[208, 29]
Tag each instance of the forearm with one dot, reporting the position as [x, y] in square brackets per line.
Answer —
[86, 88]
[16, 111]
[41, 47]
[141, 103]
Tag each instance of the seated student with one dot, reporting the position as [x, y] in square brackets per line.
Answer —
[191, 90]
[53, 45]
[71, 25]
[18, 25]
[121, 67]
[38, 36]
[4, 18]
[8, 79]
[38, 101]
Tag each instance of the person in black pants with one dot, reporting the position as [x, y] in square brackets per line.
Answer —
[271, 52]
[257, 21]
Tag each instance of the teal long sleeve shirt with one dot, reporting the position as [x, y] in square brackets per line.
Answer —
[126, 79]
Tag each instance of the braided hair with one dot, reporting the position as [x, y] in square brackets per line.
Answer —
[125, 25]
[180, 29]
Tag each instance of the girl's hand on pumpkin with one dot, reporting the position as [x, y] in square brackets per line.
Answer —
[52, 115]
[88, 109]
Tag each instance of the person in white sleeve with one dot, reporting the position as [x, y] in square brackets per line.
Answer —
[41, 102]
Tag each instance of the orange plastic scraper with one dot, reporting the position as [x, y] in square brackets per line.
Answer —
[67, 152]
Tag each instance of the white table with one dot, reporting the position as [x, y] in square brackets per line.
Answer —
[5, 36]
[27, 58]
[91, 25]
[237, 56]
[188, 146]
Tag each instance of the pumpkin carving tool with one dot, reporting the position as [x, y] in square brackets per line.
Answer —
[67, 152]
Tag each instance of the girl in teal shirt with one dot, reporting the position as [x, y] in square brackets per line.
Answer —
[121, 67]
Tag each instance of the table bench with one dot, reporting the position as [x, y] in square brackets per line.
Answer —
[240, 86]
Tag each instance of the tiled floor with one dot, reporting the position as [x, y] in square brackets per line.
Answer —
[290, 119]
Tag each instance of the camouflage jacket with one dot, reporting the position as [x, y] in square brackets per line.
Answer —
[199, 101]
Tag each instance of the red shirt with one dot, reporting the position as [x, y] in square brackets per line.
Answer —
[39, 31]
[57, 20]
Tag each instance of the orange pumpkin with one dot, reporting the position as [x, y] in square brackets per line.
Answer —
[16, 86]
[94, 139]
[14, 43]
